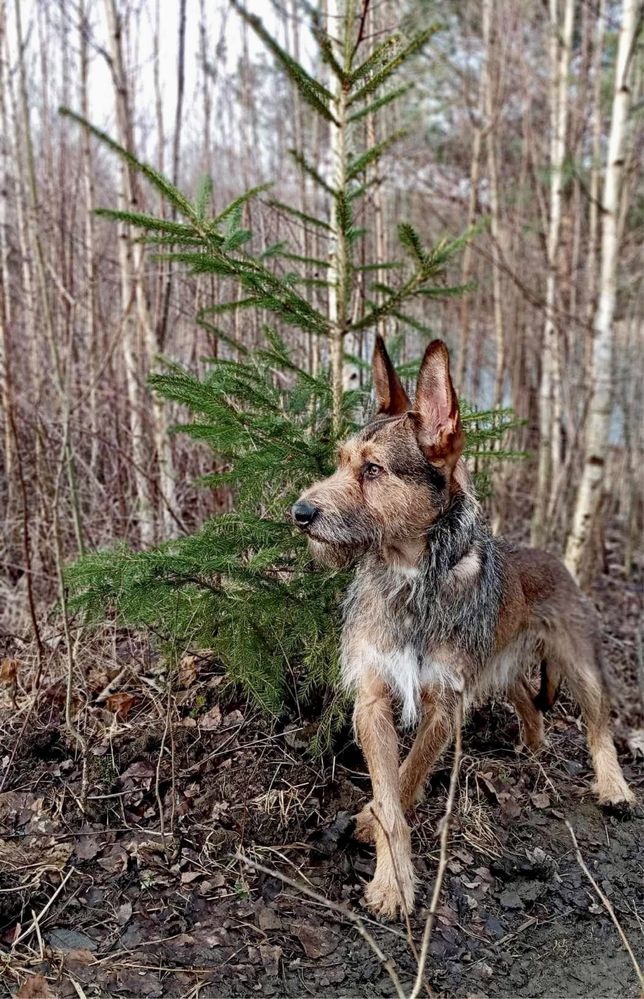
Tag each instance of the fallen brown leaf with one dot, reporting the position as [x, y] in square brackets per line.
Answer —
[120, 704]
[211, 720]
[317, 941]
[188, 669]
[35, 987]
[9, 671]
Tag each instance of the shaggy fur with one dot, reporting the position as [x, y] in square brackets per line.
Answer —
[440, 609]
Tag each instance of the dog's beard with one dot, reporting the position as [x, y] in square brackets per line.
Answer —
[334, 555]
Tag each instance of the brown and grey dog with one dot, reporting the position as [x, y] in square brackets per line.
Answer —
[439, 610]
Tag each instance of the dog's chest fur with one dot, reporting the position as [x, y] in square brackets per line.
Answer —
[432, 626]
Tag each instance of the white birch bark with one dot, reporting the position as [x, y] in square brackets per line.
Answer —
[550, 402]
[138, 326]
[588, 499]
[339, 249]
[491, 114]
[5, 282]
[128, 270]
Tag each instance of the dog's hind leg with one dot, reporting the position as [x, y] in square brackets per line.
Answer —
[530, 717]
[393, 885]
[579, 664]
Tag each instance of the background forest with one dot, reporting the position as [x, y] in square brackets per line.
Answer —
[207, 212]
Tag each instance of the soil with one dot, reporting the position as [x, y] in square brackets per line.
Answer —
[148, 893]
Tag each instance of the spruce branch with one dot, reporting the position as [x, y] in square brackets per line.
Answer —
[380, 103]
[394, 64]
[370, 156]
[239, 202]
[310, 89]
[302, 216]
[204, 196]
[309, 169]
[161, 183]
[153, 224]
[379, 57]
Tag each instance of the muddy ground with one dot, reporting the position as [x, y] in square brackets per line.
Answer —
[147, 892]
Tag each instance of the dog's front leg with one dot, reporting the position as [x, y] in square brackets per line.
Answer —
[433, 735]
[393, 883]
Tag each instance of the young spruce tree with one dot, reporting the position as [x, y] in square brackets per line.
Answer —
[243, 585]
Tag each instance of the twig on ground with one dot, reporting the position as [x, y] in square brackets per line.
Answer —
[607, 905]
[442, 863]
[346, 913]
[157, 782]
[109, 688]
[35, 922]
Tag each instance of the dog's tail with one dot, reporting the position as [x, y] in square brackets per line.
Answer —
[549, 689]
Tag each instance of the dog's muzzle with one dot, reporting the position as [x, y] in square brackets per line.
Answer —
[304, 513]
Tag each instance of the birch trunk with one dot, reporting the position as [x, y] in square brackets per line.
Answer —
[138, 325]
[468, 254]
[130, 278]
[339, 252]
[5, 282]
[589, 494]
[491, 114]
[550, 419]
[91, 276]
[36, 245]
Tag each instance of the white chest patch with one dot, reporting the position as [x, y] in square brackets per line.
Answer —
[403, 673]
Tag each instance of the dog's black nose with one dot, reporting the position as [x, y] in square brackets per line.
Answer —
[303, 513]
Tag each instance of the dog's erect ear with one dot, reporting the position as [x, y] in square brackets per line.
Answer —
[440, 434]
[390, 395]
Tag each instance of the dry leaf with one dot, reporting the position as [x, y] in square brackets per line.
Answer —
[317, 941]
[211, 720]
[120, 704]
[270, 956]
[9, 671]
[233, 718]
[188, 669]
[34, 988]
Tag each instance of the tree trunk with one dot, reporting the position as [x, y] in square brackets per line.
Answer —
[550, 422]
[339, 251]
[33, 233]
[491, 114]
[589, 494]
[130, 278]
[5, 281]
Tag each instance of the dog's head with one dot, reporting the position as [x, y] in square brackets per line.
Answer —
[395, 477]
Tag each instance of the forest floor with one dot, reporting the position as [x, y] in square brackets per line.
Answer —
[147, 893]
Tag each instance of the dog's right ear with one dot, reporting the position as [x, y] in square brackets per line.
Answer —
[390, 395]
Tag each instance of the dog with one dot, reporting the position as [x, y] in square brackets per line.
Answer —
[440, 614]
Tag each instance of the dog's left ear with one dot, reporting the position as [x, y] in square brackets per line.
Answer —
[439, 430]
[390, 395]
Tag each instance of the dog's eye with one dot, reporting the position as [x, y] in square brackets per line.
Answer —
[372, 471]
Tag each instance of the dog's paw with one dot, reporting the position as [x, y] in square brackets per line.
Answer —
[615, 796]
[386, 896]
[623, 808]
